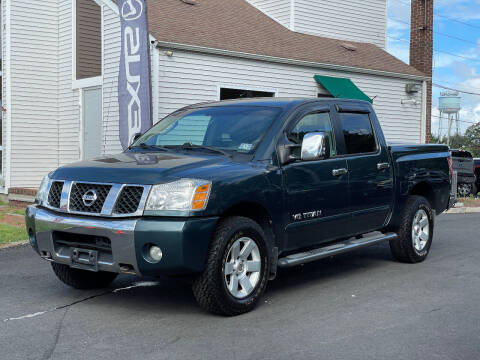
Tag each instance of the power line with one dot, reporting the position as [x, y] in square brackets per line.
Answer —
[460, 91]
[438, 51]
[439, 33]
[457, 21]
[445, 17]
[459, 120]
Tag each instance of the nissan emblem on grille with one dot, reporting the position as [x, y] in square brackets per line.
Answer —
[89, 197]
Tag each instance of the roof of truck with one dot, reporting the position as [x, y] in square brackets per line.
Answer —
[278, 101]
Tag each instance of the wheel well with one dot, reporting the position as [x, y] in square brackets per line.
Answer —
[257, 213]
[424, 189]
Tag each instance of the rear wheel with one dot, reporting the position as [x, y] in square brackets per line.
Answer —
[415, 232]
[82, 279]
[236, 273]
[464, 189]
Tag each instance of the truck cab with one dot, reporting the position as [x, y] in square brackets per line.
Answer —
[227, 192]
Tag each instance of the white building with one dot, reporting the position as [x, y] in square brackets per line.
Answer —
[61, 59]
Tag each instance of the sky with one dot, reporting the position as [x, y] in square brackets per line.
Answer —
[456, 31]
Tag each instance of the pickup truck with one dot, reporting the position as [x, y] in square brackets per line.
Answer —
[464, 166]
[476, 186]
[225, 193]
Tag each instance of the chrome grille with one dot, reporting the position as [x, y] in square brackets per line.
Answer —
[55, 194]
[129, 200]
[80, 189]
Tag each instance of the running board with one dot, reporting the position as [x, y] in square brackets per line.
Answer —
[335, 249]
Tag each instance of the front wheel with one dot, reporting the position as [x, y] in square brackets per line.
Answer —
[415, 232]
[236, 273]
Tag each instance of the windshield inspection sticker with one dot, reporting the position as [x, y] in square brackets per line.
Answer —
[245, 147]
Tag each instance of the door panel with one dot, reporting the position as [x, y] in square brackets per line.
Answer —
[370, 191]
[370, 176]
[92, 122]
[311, 187]
[317, 200]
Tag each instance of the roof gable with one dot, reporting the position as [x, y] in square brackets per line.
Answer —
[237, 26]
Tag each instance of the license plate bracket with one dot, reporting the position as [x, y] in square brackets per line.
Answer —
[84, 259]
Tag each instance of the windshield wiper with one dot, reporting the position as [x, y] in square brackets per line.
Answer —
[190, 146]
[147, 146]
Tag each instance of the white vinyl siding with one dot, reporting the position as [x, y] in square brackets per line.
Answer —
[69, 106]
[34, 89]
[355, 20]
[111, 63]
[188, 78]
[4, 91]
[278, 10]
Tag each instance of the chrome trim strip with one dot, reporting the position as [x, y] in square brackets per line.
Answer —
[111, 199]
[47, 191]
[65, 199]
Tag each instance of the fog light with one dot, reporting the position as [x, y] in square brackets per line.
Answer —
[155, 253]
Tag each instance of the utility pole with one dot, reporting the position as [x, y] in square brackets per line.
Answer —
[450, 119]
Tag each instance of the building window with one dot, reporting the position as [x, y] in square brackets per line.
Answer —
[88, 39]
[227, 94]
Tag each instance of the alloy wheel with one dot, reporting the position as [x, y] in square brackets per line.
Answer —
[242, 267]
[420, 230]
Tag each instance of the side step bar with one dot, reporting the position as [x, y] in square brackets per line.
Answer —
[335, 249]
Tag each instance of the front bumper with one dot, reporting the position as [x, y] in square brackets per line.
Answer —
[184, 242]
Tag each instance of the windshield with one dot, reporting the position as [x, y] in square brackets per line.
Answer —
[236, 128]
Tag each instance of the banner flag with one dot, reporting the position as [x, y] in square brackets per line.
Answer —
[134, 81]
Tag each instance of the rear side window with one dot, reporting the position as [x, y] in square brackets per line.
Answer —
[358, 133]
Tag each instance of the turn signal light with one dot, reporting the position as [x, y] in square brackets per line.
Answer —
[200, 197]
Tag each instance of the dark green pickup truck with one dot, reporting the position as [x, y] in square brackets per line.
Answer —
[228, 192]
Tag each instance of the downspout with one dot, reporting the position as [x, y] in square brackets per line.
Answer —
[8, 95]
[292, 15]
[423, 130]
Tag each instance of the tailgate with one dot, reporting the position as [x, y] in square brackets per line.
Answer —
[463, 165]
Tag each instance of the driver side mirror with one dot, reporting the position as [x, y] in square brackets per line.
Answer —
[315, 146]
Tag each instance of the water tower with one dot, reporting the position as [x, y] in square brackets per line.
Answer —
[449, 104]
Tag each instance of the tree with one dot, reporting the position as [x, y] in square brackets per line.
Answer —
[472, 136]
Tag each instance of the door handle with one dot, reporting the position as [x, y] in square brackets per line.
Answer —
[382, 166]
[339, 172]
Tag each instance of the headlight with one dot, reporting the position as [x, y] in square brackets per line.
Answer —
[183, 194]
[42, 190]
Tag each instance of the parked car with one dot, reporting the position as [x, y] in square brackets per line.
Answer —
[464, 166]
[230, 191]
[476, 186]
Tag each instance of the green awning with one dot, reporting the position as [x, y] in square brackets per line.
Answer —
[342, 88]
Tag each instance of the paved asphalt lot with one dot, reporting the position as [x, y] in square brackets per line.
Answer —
[361, 305]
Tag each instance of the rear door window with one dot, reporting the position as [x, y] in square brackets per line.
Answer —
[358, 133]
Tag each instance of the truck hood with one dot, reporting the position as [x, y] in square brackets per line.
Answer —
[148, 168]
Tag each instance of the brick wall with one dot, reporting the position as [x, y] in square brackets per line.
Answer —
[421, 47]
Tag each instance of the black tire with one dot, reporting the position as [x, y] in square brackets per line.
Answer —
[464, 189]
[474, 189]
[210, 288]
[403, 248]
[82, 279]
